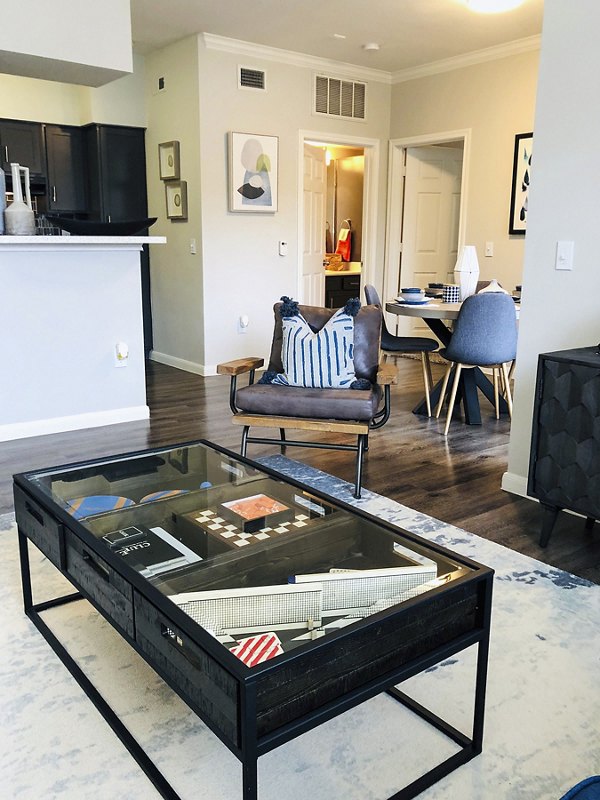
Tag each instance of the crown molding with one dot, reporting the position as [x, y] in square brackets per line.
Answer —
[250, 50]
[468, 59]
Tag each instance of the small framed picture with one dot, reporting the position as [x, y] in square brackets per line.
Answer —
[176, 197]
[168, 161]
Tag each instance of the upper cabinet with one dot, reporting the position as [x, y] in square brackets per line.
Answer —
[23, 143]
[116, 161]
[66, 168]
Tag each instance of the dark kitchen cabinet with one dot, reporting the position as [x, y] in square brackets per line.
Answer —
[22, 142]
[564, 465]
[116, 159]
[116, 166]
[341, 288]
[66, 168]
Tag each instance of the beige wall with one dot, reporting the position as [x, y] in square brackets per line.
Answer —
[176, 274]
[560, 308]
[495, 100]
[243, 273]
[118, 103]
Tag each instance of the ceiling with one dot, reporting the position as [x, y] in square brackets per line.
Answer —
[410, 32]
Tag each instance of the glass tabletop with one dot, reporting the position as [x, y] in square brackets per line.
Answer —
[263, 565]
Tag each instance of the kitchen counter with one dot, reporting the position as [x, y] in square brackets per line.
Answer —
[350, 268]
[67, 302]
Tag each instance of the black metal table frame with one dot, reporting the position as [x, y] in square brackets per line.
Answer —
[470, 380]
[252, 747]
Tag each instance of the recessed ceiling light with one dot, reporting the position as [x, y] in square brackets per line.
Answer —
[371, 46]
[339, 35]
[493, 6]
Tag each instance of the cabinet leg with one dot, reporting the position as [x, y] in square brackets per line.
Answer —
[589, 523]
[548, 520]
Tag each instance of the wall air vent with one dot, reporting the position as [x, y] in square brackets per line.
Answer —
[251, 79]
[340, 98]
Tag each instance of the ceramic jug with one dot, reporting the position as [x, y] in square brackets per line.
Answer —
[19, 216]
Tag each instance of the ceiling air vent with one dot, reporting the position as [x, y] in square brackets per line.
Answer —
[339, 98]
[251, 79]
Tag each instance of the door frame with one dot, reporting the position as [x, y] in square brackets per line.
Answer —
[395, 213]
[371, 149]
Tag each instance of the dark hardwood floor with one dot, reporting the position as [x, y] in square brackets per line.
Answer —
[455, 479]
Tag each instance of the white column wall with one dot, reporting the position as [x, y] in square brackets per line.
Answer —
[560, 309]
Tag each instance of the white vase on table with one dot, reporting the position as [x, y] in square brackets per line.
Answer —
[466, 271]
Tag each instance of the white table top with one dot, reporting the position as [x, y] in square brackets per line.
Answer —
[436, 309]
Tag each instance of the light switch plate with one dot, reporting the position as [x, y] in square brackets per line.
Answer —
[564, 255]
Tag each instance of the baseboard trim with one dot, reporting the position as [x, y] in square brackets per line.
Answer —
[95, 419]
[515, 484]
[182, 363]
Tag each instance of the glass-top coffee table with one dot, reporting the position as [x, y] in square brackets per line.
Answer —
[267, 606]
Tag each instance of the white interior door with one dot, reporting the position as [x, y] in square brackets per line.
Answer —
[430, 222]
[313, 250]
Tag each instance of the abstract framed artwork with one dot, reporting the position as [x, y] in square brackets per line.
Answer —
[521, 177]
[176, 198]
[168, 161]
[253, 172]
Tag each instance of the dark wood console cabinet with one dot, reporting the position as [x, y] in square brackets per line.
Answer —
[564, 465]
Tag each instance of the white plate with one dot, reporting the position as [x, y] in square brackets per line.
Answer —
[413, 302]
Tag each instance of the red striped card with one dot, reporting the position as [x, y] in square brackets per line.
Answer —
[256, 649]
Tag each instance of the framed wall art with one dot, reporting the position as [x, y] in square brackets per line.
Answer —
[521, 177]
[176, 197]
[253, 172]
[168, 161]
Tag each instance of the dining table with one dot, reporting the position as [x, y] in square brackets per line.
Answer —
[439, 317]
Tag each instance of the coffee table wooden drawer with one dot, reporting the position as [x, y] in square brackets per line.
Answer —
[98, 581]
[39, 526]
[200, 680]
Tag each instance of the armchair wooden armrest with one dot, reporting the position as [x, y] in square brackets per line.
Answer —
[239, 366]
[387, 374]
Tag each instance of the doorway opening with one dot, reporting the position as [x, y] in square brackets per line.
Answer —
[337, 220]
[426, 212]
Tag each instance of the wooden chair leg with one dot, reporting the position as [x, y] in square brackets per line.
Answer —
[443, 390]
[504, 369]
[495, 375]
[452, 397]
[426, 383]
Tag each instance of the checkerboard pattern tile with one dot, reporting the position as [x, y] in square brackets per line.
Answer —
[229, 533]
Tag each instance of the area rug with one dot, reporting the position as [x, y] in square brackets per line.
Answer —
[542, 713]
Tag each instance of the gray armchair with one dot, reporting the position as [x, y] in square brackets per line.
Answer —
[327, 410]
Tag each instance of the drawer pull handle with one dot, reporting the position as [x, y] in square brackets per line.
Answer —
[98, 568]
[34, 513]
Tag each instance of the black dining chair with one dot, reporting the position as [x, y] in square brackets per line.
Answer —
[398, 345]
[484, 335]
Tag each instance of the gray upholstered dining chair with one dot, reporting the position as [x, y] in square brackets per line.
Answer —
[484, 335]
[281, 401]
[397, 345]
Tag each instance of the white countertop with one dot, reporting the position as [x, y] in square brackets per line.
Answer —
[70, 241]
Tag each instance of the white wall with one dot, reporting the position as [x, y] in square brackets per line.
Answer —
[560, 309]
[242, 271]
[176, 274]
[86, 42]
[496, 100]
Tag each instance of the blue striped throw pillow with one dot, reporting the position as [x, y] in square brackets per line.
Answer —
[322, 360]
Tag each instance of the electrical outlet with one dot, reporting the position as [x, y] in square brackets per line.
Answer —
[121, 354]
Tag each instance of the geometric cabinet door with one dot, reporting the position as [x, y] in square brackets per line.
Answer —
[564, 465]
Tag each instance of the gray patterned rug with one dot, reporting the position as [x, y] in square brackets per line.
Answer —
[543, 702]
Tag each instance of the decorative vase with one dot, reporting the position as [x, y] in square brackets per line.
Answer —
[19, 216]
[466, 271]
